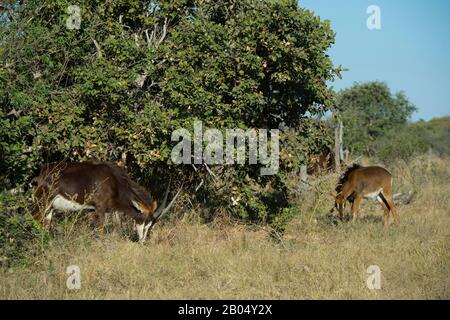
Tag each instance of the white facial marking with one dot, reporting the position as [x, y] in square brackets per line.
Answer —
[140, 231]
[147, 227]
[64, 204]
[137, 206]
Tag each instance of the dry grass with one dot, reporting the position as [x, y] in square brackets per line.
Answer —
[318, 258]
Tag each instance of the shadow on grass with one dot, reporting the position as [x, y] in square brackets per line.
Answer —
[331, 219]
[371, 218]
[72, 225]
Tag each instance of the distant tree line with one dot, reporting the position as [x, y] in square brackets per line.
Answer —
[378, 124]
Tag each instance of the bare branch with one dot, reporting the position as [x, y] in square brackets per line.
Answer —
[199, 185]
[152, 37]
[147, 37]
[164, 33]
[163, 208]
[97, 46]
[215, 178]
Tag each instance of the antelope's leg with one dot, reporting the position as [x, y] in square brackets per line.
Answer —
[341, 213]
[48, 217]
[392, 208]
[116, 219]
[36, 210]
[385, 209]
[355, 207]
[344, 205]
[48, 214]
[38, 213]
[99, 219]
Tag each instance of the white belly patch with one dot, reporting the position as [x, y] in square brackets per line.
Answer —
[64, 204]
[372, 195]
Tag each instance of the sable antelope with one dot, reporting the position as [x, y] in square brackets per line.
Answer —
[321, 163]
[98, 186]
[365, 182]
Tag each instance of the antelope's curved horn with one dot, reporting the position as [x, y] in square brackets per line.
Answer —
[163, 208]
[163, 212]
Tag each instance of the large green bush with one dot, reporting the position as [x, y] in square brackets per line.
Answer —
[135, 71]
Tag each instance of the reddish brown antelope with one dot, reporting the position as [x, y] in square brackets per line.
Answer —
[365, 182]
[98, 186]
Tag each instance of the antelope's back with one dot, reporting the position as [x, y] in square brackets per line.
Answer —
[375, 171]
[86, 177]
[76, 178]
[374, 175]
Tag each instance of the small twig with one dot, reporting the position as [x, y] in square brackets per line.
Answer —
[215, 178]
[166, 22]
[272, 231]
[148, 38]
[354, 161]
[11, 14]
[403, 197]
[97, 46]
[199, 186]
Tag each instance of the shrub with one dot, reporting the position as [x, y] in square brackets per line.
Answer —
[20, 236]
[112, 90]
[409, 140]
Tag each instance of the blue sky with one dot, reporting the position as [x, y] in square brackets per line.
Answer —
[411, 52]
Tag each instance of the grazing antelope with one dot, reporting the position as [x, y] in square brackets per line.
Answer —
[365, 182]
[321, 163]
[98, 186]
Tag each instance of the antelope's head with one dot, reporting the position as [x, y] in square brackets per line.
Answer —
[146, 210]
[152, 213]
[339, 203]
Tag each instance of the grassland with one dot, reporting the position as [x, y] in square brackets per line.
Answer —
[316, 258]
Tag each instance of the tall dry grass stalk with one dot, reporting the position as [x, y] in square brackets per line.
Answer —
[318, 257]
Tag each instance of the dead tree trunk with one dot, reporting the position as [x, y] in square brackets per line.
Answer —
[338, 145]
[341, 141]
[303, 178]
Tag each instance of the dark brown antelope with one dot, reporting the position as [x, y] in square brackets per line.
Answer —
[321, 163]
[98, 186]
[359, 183]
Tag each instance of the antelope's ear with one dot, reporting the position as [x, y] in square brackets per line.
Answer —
[138, 206]
[153, 206]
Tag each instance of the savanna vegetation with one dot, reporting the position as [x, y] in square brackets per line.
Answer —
[115, 81]
[317, 257]
[377, 124]
[135, 71]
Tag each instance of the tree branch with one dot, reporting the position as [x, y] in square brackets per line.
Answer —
[164, 33]
[97, 46]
